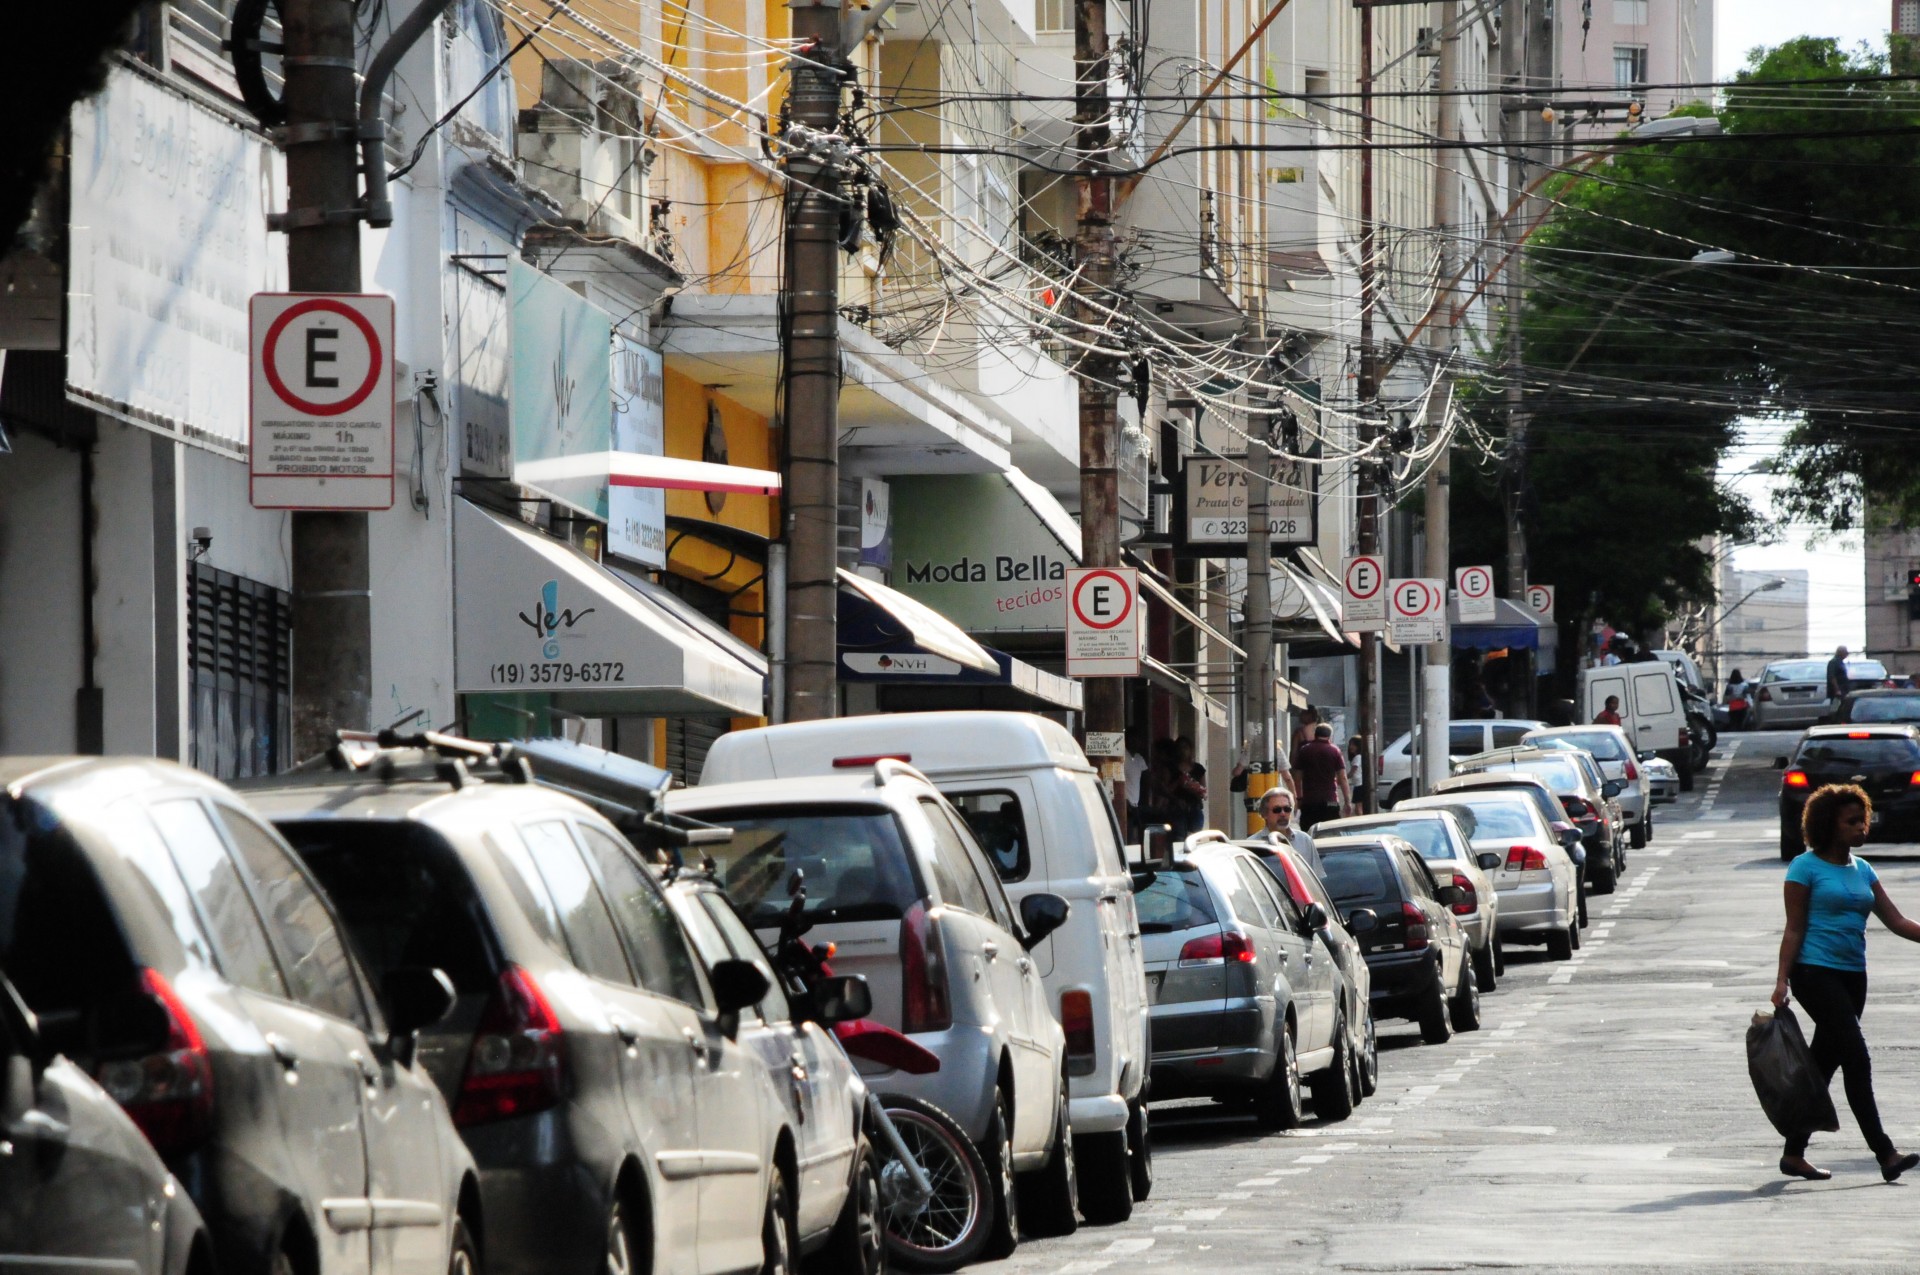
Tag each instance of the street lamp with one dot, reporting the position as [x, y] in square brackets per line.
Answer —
[1719, 635]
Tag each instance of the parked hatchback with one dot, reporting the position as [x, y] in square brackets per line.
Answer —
[1416, 950]
[1885, 704]
[590, 1060]
[287, 1097]
[1615, 757]
[1589, 800]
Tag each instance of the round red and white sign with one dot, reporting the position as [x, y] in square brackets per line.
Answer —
[1364, 577]
[322, 357]
[1415, 598]
[1540, 597]
[1102, 599]
[1475, 582]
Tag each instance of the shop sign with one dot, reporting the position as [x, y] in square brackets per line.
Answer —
[562, 403]
[1213, 504]
[876, 523]
[637, 516]
[169, 241]
[971, 548]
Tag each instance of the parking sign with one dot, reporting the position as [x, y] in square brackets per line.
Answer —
[1363, 582]
[1103, 622]
[1417, 610]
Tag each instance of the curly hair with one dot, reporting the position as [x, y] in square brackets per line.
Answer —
[1821, 819]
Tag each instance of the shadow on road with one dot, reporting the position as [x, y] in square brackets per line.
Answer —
[1207, 1124]
[1699, 1199]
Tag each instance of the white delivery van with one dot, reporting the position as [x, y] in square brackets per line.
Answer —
[1036, 805]
[1652, 711]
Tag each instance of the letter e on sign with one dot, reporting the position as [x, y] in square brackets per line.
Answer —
[321, 401]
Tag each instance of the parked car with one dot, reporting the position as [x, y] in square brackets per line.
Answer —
[1036, 806]
[81, 1188]
[1882, 704]
[1415, 948]
[1247, 1003]
[288, 1099]
[1305, 887]
[1654, 710]
[1614, 754]
[590, 1060]
[1794, 692]
[1589, 800]
[1538, 883]
[1465, 737]
[898, 884]
[1881, 759]
[1447, 848]
[1663, 780]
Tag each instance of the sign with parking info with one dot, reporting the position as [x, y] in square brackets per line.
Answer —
[1417, 610]
[321, 407]
[1363, 584]
[1540, 602]
[1475, 587]
[1103, 622]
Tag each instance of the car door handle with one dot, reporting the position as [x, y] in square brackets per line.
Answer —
[1283, 956]
[283, 1050]
[990, 950]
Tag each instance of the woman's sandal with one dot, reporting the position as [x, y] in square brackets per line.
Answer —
[1812, 1174]
[1891, 1169]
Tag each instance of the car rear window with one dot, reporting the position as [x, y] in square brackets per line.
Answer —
[1797, 671]
[1885, 708]
[1602, 744]
[1429, 836]
[855, 863]
[1175, 901]
[1561, 776]
[1882, 753]
[1360, 876]
[1500, 816]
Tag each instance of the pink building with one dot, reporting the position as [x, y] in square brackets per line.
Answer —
[1618, 47]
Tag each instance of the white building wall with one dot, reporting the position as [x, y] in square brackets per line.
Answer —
[123, 601]
[40, 640]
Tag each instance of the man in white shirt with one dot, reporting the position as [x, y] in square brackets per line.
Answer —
[1277, 809]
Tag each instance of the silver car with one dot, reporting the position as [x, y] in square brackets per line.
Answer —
[1615, 756]
[1537, 882]
[1246, 1001]
[1794, 692]
[1589, 799]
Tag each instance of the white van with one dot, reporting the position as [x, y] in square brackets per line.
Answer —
[1035, 803]
[1652, 711]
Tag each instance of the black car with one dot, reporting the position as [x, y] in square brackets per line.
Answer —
[1884, 704]
[1416, 952]
[1884, 760]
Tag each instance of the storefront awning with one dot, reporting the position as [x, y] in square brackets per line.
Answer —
[876, 619]
[633, 469]
[532, 615]
[1176, 683]
[1298, 597]
[915, 667]
[1511, 626]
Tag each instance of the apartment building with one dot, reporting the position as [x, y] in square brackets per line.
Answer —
[1612, 52]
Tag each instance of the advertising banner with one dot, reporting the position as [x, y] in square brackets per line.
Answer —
[562, 403]
[637, 516]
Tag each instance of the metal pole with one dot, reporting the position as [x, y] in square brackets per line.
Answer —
[1436, 707]
[810, 369]
[1257, 747]
[1096, 268]
[332, 602]
[1368, 485]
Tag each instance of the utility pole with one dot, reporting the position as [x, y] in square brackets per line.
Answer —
[1259, 751]
[1098, 373]
[1370, 467]
[810, 365]
[1436, 706]
[332, 584]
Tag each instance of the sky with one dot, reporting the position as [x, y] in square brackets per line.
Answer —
[1837, 596]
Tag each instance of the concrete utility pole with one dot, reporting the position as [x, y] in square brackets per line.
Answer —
[332, 599]
[1369, 396]
[1259, 750]
[1096, 268]
[1436, 706]
[810, 368]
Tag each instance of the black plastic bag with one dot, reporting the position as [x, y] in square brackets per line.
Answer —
[1792, 1091]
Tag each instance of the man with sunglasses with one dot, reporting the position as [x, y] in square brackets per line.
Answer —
[1277, 808]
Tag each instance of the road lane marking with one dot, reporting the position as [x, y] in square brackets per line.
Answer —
[1121, 1248]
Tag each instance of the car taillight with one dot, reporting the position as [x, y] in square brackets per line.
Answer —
[1633, 773]
[1686, 737]
[1765, 696]
[517, 1064]
[1578, 808]
[924, 1006]
[1794, 779]
[1416, 926]
[1076, 1018]
[1525, 859]
[1224, 948]
[169, 1094]
[1859, 734]
[1913, 780]
[1469, 899]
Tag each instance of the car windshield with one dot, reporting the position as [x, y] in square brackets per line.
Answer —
[855, 862]
[1604, 745]
[1885, 708]
[1890, 752]
[1360, 876]
[1429, 835]
[1504, 816]
[1175, 901]
[1795, 671]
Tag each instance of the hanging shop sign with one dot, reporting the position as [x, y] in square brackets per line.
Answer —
[1212, 516]
[637, 516]
[321, 401]
[973, 549]
[562, 403]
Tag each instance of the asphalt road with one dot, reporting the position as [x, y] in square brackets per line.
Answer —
[1600, 1119]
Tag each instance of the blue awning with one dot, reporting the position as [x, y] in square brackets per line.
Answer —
[1512, 627]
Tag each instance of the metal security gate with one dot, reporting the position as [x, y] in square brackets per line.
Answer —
[688, 739]
[239, 662]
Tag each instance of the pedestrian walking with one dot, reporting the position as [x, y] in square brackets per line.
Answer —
[1277, 809]
[1320, 777]
[1359, 782]
[1823, 960]
[1738, 703]
[1837, 683]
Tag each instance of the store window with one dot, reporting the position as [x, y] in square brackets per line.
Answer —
[239, 665]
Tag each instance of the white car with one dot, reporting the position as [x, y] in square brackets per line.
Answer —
[1608, 747]
[1464, 738]
[897, 883]
[1537, 882]
[1035, 804]
[1663, 779]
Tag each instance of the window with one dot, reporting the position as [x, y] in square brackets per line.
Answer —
[1629, 65]
[1881, 753]
[1429, 836]
[298, 924]
[526, 887]
[221, 897]
[1500, 816]
[1051, 17]
[1000, 829]
[774, 1007]
[1174, 901]
[1652, 695]
[1105, 824]
[1630, 13]
[1265, 909]
[1360, 877]
[133, 835]
[654, 938]
[1417, 875]
[239, 662]
[1315, 86]
[583, 913]
[1509, 735]
[1906, 17]
[853, 863]
[959, 885]
[1249, 907]
[1464, 739]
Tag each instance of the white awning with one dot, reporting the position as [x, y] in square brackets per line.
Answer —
[533, 615]
[632, 469]
[927, 628]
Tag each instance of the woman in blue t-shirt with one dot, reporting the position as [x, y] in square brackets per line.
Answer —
[1823, 957]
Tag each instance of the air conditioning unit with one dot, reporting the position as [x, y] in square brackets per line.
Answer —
[583, 145]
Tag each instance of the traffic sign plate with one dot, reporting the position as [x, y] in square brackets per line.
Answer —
[1364, 592]
[1103, 622]
[1540, 601]
[1417, 610]
[322, 406]
[1475, 588]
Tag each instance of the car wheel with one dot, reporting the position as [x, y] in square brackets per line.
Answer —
[858, 1242]
[1574, 937]
[1050, 1194]
[1637, 835]
[1140, 1149]
[1278, 1104]
[1435, 1027]
[1686, 776]
[951, 1227]
[624, 1256]
[1580, 888]
[1484, 975]
[1560, 943]
[781, 1248]
[1646, 824]
[1333, 1090]
[1465, 1010]
[1004, 1237]
[1106, 1178]
[1499, 957]
[1399, 793]
[1604, 878]
[1790, 843]
[463, 1256]
[1369, 1059]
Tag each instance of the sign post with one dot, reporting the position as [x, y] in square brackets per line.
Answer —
[321, 408]
[1363, 582]
[1104, 631]
[1475, 587]
[1417, 611]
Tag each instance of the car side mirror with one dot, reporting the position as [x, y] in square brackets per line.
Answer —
[1448, 895]
[841, 998]
[413, 998]
[1040, 915]
[1613, 787]
[1779, 763]
[1362, 921]
[1570, 837]
[736, 985]
[1488, 860]
[1317, 918]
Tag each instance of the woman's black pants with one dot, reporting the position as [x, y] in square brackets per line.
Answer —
[1834, 999]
